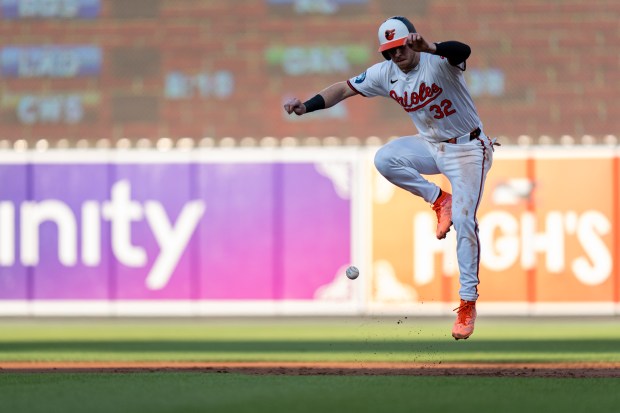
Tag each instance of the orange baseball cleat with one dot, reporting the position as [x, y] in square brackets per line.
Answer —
[443, 208]
[465, 319]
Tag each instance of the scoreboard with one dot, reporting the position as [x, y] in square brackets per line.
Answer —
[74, 69]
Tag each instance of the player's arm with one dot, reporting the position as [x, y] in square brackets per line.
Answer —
[455, 52]
[326, 98]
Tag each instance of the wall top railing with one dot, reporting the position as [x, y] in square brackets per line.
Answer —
[189, 143]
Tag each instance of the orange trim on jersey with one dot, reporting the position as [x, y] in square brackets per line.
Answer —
[354, 89]
[393, 44]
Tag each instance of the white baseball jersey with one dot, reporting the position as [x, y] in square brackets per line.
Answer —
[434, 95]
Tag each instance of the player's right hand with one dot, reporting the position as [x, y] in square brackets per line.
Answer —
[294, 105]
[418, 43]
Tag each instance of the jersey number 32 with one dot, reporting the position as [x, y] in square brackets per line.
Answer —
[444, 110]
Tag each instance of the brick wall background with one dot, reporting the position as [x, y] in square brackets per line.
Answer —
[196, 68]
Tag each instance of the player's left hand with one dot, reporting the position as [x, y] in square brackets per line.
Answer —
[417, 42]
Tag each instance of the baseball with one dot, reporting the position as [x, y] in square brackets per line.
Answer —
[353, 272]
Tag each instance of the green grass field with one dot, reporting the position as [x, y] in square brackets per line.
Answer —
[356, 340]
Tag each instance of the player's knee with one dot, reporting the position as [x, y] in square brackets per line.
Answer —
[463, 221]
[385, 160]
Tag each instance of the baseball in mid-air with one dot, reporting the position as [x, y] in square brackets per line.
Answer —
[353, 272]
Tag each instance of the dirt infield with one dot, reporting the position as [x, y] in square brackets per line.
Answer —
[568, 370]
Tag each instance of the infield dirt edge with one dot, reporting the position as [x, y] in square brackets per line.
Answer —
[568, 370]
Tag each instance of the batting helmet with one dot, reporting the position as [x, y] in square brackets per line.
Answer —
[393, 33]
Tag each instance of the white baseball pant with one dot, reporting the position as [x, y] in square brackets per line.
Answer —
[403, 161]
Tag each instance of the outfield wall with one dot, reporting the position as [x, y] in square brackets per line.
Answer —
[270, 231]
[87, 69]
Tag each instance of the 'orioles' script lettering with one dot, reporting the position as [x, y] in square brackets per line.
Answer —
[419, 99]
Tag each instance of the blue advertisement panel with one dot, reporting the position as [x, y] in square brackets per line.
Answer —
[55, 61]
[50, 9]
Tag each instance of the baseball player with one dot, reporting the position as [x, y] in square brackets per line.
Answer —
[426, 80]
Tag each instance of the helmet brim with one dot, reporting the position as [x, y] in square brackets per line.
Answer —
[392, 44]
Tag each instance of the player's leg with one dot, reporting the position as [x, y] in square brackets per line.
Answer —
[404, 160]
[466, 166]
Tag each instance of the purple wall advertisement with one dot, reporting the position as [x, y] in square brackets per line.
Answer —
[187, 231]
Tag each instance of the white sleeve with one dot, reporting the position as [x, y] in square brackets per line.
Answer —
[372, 82]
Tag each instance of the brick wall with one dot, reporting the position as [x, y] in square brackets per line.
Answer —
[175, 68]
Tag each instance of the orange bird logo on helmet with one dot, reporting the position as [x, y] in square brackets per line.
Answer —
[389, 34]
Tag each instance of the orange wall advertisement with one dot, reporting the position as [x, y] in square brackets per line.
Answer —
[547, 222]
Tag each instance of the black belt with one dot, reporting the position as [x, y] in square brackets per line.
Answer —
[472, 135]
